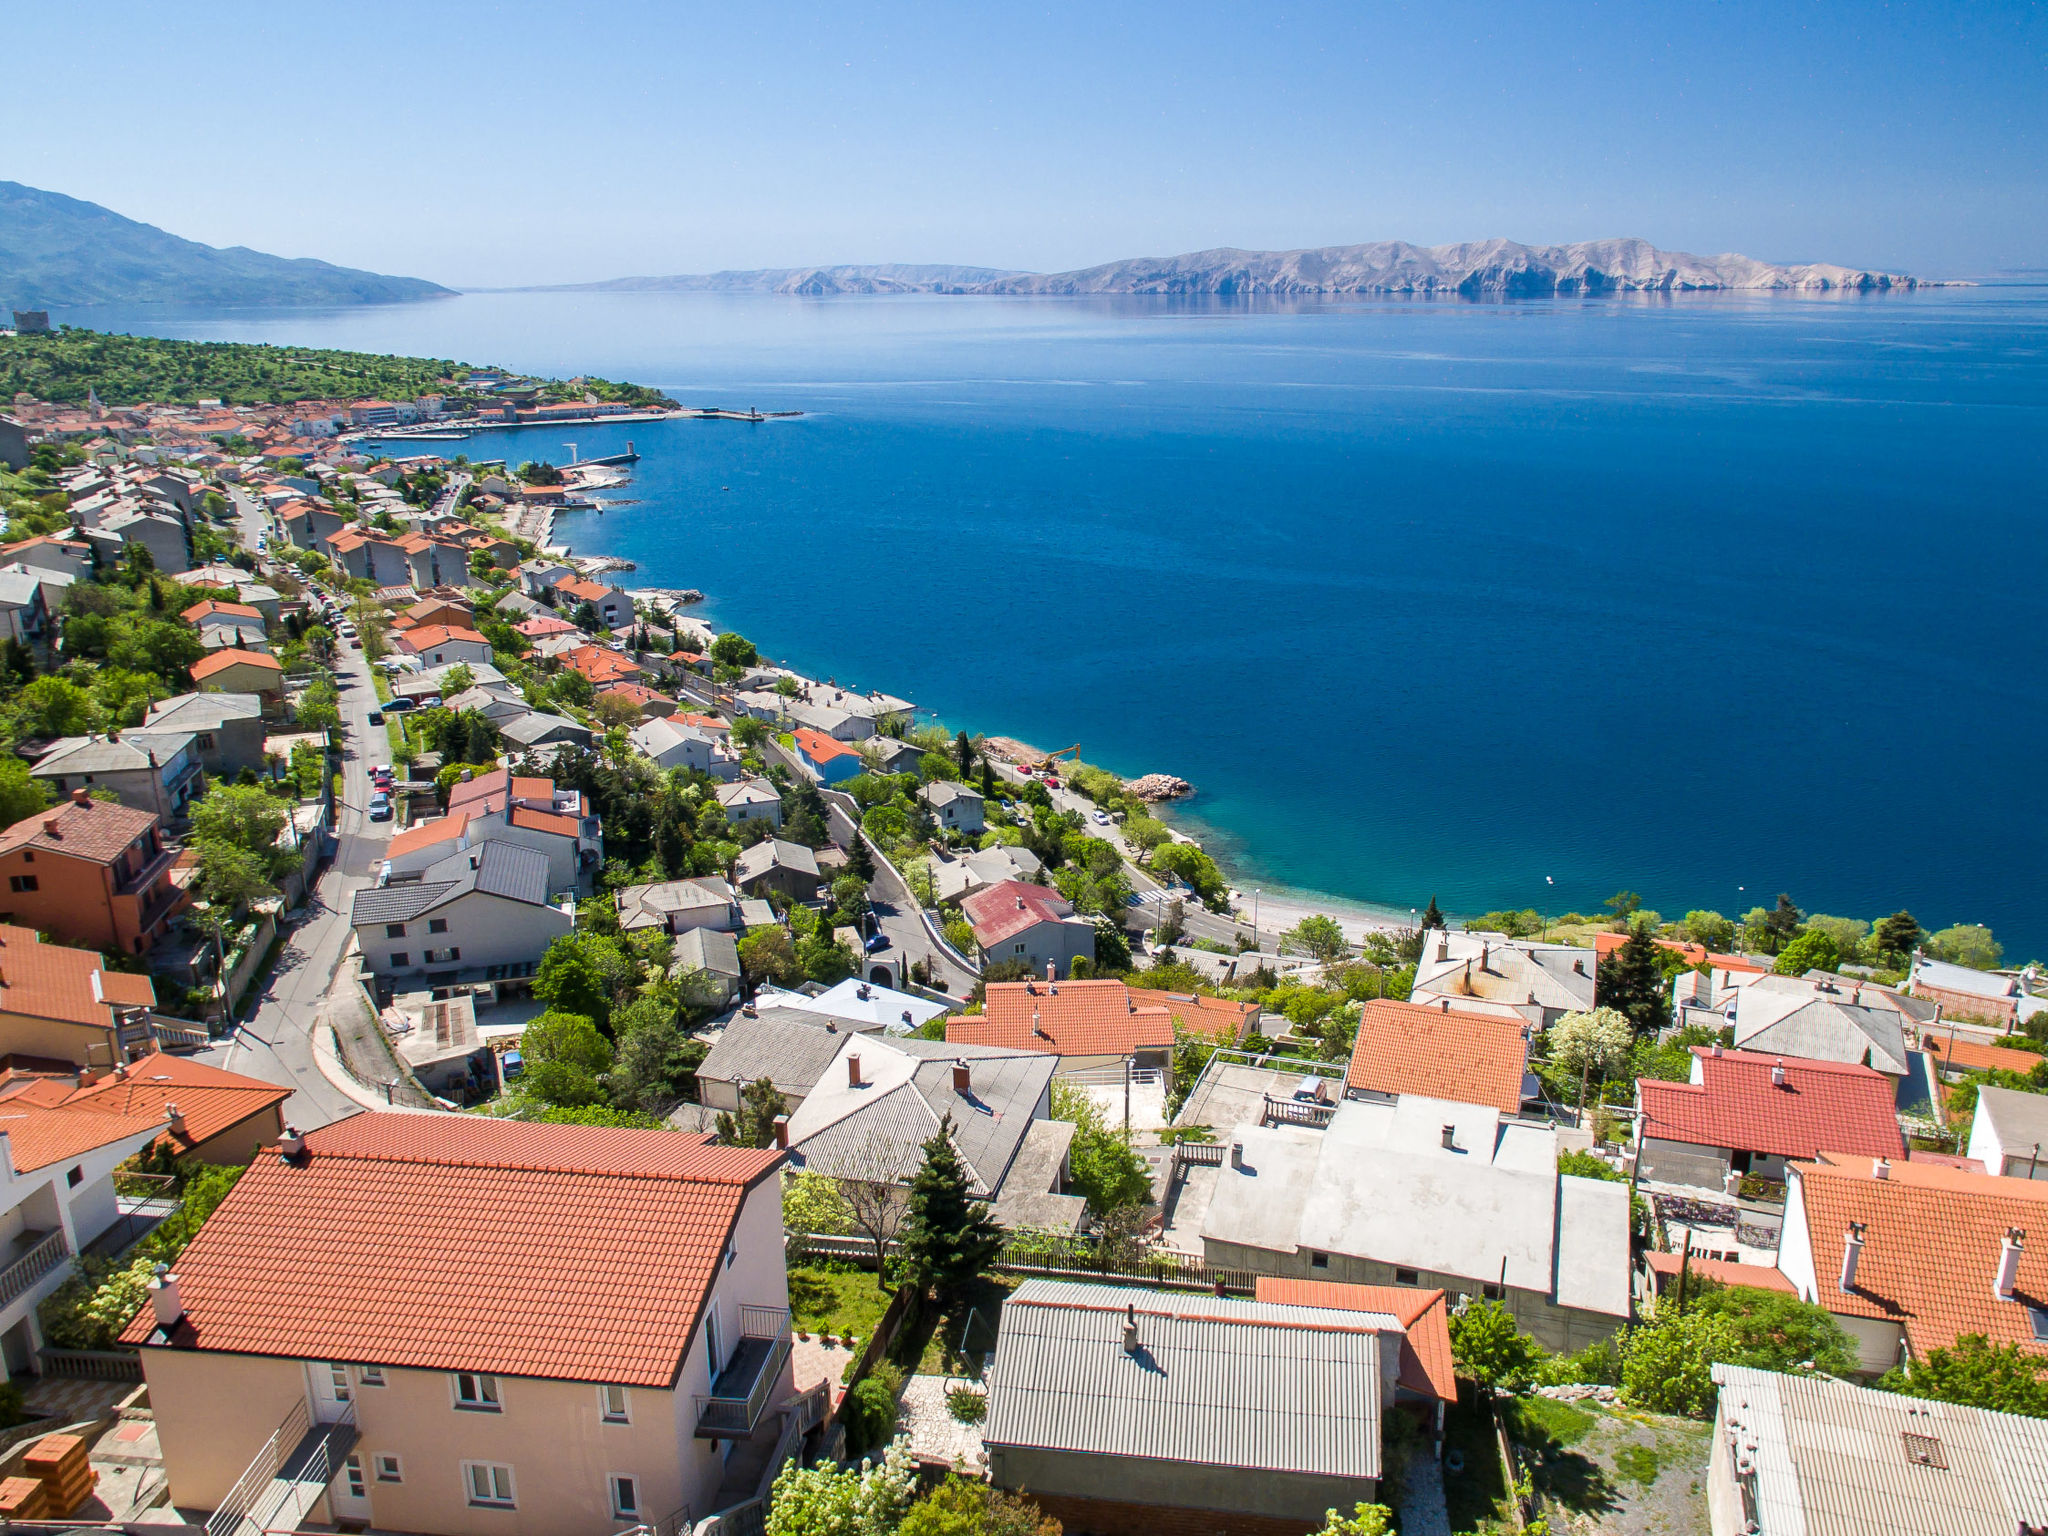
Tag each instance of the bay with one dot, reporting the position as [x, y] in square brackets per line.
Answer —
[1510, 604]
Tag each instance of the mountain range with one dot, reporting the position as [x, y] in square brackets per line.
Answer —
[1494, 268]
[57, 252]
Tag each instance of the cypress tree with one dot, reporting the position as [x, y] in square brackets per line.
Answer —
[859, 861]
[1631, 982]
[949, 1238]
[964, 752]
[1433, 917]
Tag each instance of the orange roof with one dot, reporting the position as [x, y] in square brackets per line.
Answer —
[1762, 1277]
[1931, 1245]
[1605, 944]
[598, 664]
[701, 722]
[543, 624]
[1217, 1018]
[428, 833]
[1468, 1058]
[580, 1253]
[1424, 1315]
[1822, 1106]
[208, 1100]
[1071, 1018]
[39, 1134]
[1961, 1055]
[430, 635]
[220, 661]
[81, 829]
[54, 981]
[587, 591]
[819, 747]
[545, 821]
[638, 693]
[211, 607]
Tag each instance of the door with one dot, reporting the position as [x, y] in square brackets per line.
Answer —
[331, 1392]
[351, 1490]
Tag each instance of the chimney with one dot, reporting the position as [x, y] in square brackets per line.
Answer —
[1131, 1328]
[1579, 967]
[176, 1117]
[2009, 1249]
[291, 1144]
[782, 1132]
[853, 1071]
[1020, 903]
[1777, 1074]
[1237, 1154]
[963, 1079]
[163, 1296]
[1037, 1028]
[1716, 1049]
[1485, 953]
[1852, 1251]
[1450, 1138]
[1444, 1003]
[1052, 969]
[50, 825]
[81, 797]
[1881, 1168]
[1443, 948]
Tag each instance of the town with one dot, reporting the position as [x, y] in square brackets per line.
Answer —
[486, 1049]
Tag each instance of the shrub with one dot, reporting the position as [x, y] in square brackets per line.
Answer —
[870, 1415]
[1490, 1349]
[967, 1405]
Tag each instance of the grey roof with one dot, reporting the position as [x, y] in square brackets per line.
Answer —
[498, 703]
[748, 792]
[18, 589]
[538, 727]
[2019, 1118]
[945, 792]
[510, 870]
[1961, 978]
[1030, 1194]
[792, 1055]
[500, 869]
[1791, 1016]
[773, 853]
[102, 754]
[204, 711]
[400, 903]
[1214, 1382]
[1829, 1459]
[651, 906]
[708, 949]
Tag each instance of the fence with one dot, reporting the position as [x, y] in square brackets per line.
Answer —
[1067, 1258]
[91, 1364]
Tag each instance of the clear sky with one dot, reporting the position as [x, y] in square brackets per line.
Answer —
[553, 142]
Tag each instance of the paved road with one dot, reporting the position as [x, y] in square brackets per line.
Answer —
[275, 1041]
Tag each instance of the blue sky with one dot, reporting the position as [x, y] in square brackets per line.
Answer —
[499, 144]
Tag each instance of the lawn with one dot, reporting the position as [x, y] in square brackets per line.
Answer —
[834, 1300]
[1614, 1468]
[933, 1336]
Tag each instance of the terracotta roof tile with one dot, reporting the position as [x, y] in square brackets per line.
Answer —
[542, 624]
[1960, 1055]
[819, 747]
[220, 661]
[39, 1135]
[54, 981]
[1605, 944]
[1217, 1018]
[1824, 1106]
[1426, 1364]
[428, 635]
[598, 664]
[1074, 1018]
[83, 829]
[545, 821]
[1762, 1277]
[577, 1253]
[428, 833]
[1931, 1244]
[1003, 911]
[211, 606]
[209, 1100]
[1468, 1058]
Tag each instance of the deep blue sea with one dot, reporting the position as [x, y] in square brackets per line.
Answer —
[1512, 604]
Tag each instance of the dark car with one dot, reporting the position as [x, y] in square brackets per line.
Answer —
[376, 717]
[877, 941]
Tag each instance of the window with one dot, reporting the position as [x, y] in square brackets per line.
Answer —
[476, 1391]
[353, 1468]
[205, 741]
[388, 1470]
[394, 930]
[437, 925]
[1407, 1277]
[1318, 1261]
[75, 1177]
[28, 855]
[1490, 1291]
[20, 883]
[612, 1400]
[337, 1374]
[2039, 1319]
[625, 1497]
[400, 957]
[490, 1484]
[370, 1375]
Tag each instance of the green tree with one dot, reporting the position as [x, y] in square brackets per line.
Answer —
[1772, 1331]
[1813, 950]
[768, 955]
[20, 796]
[1100, 1161]
[812, 1202]
[1898, 934]
[753, 1125]
[241, 815]
[1781, 924]
[569, 982]
[1318, 936]
[828, 1500]
[1365, 1520]
[733, 649]
[1432, 916]
[2003, 1377]
[963, 1506]
[1624, 905]
[1667, 1364]
[1709, 929]
[1489, 1348]
[949, 1237]
[53, 706]
[1631, 982]
[1968, 944]
[320, 705]
[1112, 946]
[230, 877]
[657, 1062]
[1589, 1045]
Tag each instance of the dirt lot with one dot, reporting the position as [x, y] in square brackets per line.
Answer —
[1613, 1470]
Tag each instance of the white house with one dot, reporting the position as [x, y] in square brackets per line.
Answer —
[481, 914]
[956, 807]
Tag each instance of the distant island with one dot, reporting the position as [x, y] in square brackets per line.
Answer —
[1484, 269]
[58, 252]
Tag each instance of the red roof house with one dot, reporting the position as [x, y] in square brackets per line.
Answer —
[1067, 1018]
[1439, 1053]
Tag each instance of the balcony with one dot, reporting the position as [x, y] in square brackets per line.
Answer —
[40, 1253]
[740, 1394]
[152, 870]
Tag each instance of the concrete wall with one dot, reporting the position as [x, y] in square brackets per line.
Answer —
[1680, 1162]
[1724, 1500]
[56, 1040]
[236, 1146]
[489, 930]
[1175, 1484]
[213, 1413]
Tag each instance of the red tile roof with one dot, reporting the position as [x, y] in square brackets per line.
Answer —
[1962, 1055]
[1931, 1243]
[54, 981]
[430, 635]
[545, 821]
[1762, 1277]
[819, 747]
[1073, 1018]
[220, 661]
[1605, 944]
[544, 624]
[1426, 1364]
[601, 666]
[585, 591]
[1003, 911]
[212, 606]
[637, 693]
[209, 1100]
[1824, 1106]
[428, 833]
[1468, 1058]
[97, 830]
[578, 1253]
[39, 1134]
[1216, 1018]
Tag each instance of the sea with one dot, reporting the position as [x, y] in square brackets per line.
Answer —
[1509, 604]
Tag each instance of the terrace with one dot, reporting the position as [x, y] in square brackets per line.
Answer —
[740, 1393]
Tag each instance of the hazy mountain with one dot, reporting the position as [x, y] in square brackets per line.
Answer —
[1491, 267]
[894, 277]
[56, 251]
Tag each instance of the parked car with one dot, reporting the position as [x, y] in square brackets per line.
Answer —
[1101, 818]
[377, 718]
[380, 809]
[877, 941]
[400, 704]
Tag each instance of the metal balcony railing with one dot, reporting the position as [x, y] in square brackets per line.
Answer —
[739, 1395]
[45, 1254]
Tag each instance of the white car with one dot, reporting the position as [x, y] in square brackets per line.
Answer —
[1101, 818]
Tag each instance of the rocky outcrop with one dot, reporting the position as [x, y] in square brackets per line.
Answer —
[1158, 786]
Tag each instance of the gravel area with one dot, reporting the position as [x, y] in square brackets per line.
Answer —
[936, 1437]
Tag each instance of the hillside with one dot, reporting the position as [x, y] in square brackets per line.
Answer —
[810, 281]
[1499, 268]
[58, 252]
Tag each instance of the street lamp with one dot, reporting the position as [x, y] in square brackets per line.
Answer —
[1255, 917]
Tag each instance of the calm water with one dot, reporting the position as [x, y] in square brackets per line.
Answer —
[1708, 598]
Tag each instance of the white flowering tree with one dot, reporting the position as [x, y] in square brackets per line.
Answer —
[1590, 1045]
[837, 1501]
